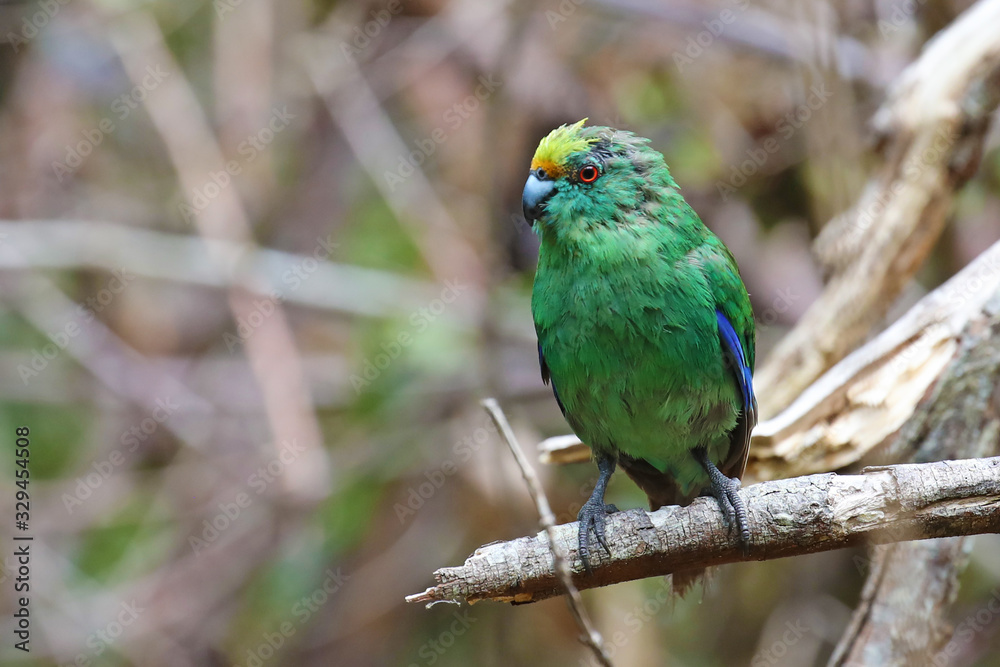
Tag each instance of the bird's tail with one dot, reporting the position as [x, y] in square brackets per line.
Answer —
[683, 581]
[661, 490]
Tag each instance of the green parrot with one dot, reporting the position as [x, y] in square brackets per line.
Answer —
[645, 329]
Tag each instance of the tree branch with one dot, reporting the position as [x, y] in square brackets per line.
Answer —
[931, 131]
[787, 518]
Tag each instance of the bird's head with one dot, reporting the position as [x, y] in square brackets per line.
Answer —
[586, 176]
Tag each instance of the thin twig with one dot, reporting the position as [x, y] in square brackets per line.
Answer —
[591, 637]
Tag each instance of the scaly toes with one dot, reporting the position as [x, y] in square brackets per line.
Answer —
[593, 516]
[735, 511]
[741, 523]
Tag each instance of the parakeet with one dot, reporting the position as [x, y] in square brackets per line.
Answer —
[645, 328]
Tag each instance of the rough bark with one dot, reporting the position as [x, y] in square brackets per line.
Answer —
[787, 518]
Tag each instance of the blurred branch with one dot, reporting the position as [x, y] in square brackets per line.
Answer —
[341, 288]
[931, 131]
[757, 31]
[244, 87]
[789, 517]
[197, 582]
[900, 619]
[371, 134]
[109, 359]
[591, 638]
[195, 154]
[451, 34]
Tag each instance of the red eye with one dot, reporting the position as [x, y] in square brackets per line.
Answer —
[589, 173]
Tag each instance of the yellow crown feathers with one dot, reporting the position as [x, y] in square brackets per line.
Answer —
[557, 146]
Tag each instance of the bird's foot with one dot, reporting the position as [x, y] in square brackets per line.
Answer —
[739, 513]
[727, 492]
[593, 516]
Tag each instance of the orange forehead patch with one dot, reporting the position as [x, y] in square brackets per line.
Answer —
[558, 146]
[551, 168]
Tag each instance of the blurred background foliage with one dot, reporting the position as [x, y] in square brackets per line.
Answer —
[380, 149]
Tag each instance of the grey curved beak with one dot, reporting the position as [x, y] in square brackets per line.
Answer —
[536, 192]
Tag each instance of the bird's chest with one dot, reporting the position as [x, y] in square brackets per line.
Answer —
[627, 334]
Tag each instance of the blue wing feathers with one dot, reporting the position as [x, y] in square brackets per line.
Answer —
[737, 356]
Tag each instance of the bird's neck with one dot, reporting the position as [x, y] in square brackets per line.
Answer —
[586, 245]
